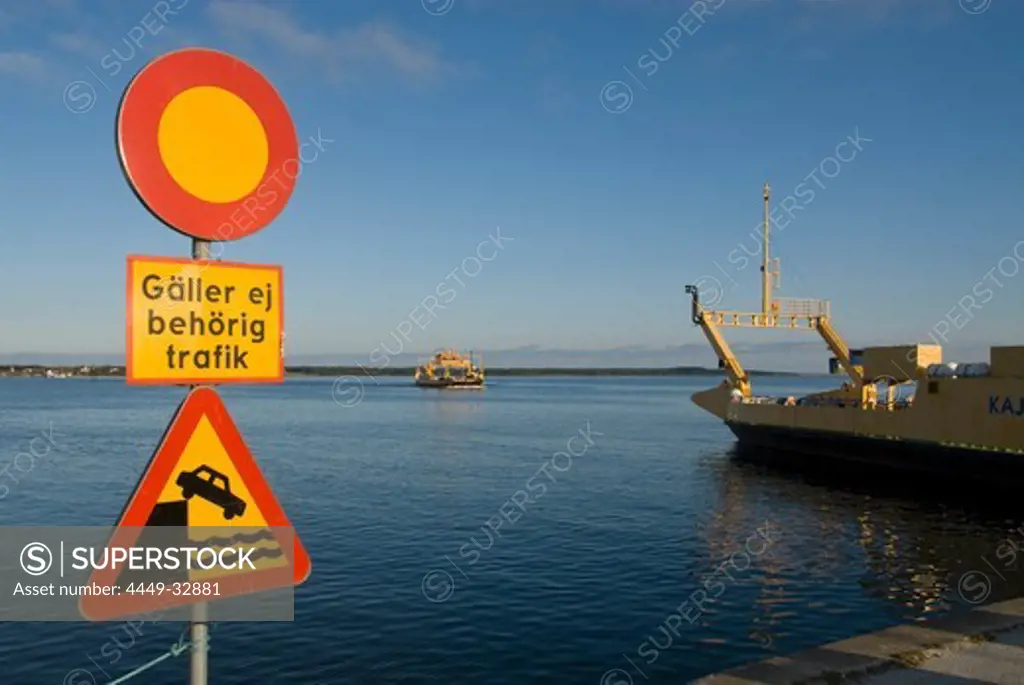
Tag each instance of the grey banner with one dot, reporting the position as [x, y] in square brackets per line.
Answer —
[156, 573]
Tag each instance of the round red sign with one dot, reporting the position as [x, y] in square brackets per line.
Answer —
[207, 144]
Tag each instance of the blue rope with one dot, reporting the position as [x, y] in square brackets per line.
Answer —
[177, 649]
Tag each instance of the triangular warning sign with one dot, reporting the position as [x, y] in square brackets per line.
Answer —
[203, 482]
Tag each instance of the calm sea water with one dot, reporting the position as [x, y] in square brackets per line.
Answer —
[392, 497]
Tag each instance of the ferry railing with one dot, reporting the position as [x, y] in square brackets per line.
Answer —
[793, 306]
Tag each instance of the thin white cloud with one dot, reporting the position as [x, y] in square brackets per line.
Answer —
[872, 12]
[66, 6]
[344, 54]
[14, 13]
[23, 66]
[79, 43]
[869, 11]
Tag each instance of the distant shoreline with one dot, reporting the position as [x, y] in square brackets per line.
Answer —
[114, 371]
[529, 371]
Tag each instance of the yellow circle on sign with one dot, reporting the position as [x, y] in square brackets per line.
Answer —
[213, 144]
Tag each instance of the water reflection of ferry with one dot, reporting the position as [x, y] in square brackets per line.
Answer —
[921, 557]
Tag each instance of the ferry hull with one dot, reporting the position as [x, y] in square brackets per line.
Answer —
[826, 450]
[450, 385]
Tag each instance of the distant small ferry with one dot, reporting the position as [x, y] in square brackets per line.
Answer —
[449, 369]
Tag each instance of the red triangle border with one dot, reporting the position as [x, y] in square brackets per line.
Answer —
[200, 402]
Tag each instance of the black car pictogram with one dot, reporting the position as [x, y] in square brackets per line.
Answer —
[213, 487]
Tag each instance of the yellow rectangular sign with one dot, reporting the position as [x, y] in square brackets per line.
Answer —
[192, 322]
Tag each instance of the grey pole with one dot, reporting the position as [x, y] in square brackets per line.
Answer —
[200, 249]
[199, 648]
[200, 632]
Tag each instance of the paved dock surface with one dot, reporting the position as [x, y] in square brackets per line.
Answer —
[982, 646]
[1000, 661]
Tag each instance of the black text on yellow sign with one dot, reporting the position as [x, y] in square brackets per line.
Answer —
[203, 322]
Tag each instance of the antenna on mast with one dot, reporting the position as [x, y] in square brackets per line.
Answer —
[767, 272]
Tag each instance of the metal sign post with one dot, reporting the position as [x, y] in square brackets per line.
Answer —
[199, 636]
[199, 631]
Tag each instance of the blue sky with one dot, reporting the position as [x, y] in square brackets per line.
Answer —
[451, 118]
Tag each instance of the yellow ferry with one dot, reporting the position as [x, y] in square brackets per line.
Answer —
[901, 406]
[449, 369]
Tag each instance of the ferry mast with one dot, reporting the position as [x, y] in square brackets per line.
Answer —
[785, 313]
